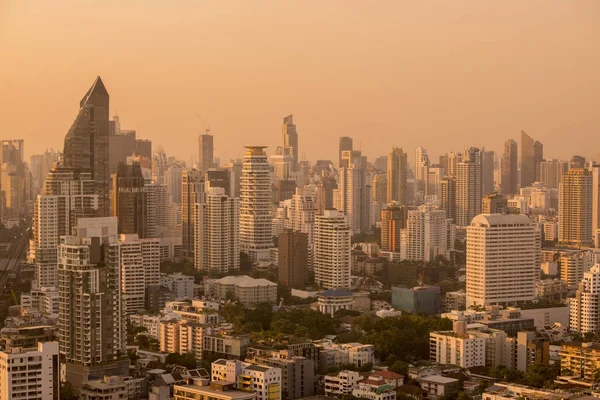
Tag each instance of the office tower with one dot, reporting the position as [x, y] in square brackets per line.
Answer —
[436, 173]
[509, 168]
[397, 175]
[129, 199]
[157, 206]
[332, 250]
[426, 234]
[293, 258]
[453, 160]
[393, 220]
[468, 187]
[283, 190]
[502, 253]
[255, 204]
[92, 326]
[219, 178]
[596, 204]
[192, 187]
[494, 204]
[66, 196]
[217, 232]
[205, 152]
[325, 190]
[40, 165]
[532, 154]
[290, 140]
[448, 197]
[143, 149]
[345, 145]
[575, 207]
[282, 165]
[121, 145]
[173, 180]
[86, 143]
[140, 268]
[235, 175]
[32, 374]
[577, 162]
[421, 169]
[355, 194]
[379, 188]
[583, 309]
[487, 172]
[551, 172]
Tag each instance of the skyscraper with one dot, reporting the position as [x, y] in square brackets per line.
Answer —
[293, 258]
[502, 253]
[393, 220]
[205, 152]
[487, 172]
[192, 188]
[345, 145]
[421, 169]
[255, 204]
[217, 232]
[596, 205]
[509, 168]
[426, 234]
[332, 250]
[468, 187]
[355, 196]
[532, 154]
[448, 197]
[86, 143]
[551, 172]
[575, 208]
[583, 309]
[129, 199]
[290, 140]
[397, 175]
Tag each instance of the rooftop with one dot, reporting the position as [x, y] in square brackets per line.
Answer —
[500, 219]
[335, 293]
[438, 379]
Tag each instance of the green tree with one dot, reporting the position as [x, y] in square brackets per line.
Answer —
[67, 392]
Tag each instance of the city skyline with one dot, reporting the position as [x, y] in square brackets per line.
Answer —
[417, 96]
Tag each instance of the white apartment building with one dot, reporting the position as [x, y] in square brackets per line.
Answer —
[32, 374]
[355, 197]
[140, 267]
[374, 388]
[182, 336]
[150, 322]
[265, 381]
[584, 316]
[341, 384]
[502, 259]
[332, 354]
[256, 214]
[332, 250]
[217, 234]
[181, 285]
[459, 349]
[248, 291]
[427, 234]
[44, 300]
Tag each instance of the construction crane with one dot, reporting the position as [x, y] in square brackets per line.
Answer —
[206, 127]
[24, 311]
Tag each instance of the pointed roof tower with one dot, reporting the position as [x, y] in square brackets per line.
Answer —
[96, 95]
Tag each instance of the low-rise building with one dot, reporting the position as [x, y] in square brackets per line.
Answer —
[420, 299]
[511, 391]
[108, 388]
[182, 286]
[439, 386]
[333, 300]
[551, 289]
[391, 378]
[374, 388]
[342, 383]
[248, 291]
[579, 359]
[216, 391]
[150, 322]
[456, 300]
[264, 380]
[225, 345]
[335, 355]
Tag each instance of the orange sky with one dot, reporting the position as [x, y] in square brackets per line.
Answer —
[440, 74]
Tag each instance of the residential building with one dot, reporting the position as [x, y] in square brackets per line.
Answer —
[575, 208]
[355, 193]
[182, 286]
[448, 197]
[374, 388]
[205, 152]
[265, 381]
[255, 204]
[551, 172]
[332, 250]
[345, 145]
[397, 175]
[579, 359]
[584, 316]
[216, 391]
[502, 259]
[32, 374]
[192, 186]
[468, 187]
[494, 204]
[293, 259]
[509, 168]
[333, 355]
[439, 386]
[426, 234]
[108, 388]
[341, 384]
[129, 201]
[393, 220]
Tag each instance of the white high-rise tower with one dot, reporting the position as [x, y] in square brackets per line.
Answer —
[332, 250]
[584, 307]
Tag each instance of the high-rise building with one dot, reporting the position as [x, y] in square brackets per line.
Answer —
[575, 208]
[157, 208]
[355, 196]
[40, 165]
[140, 268]
[502, 254]
[509, 168]
[217, 232]
[219, 178]
[487, 172]
[379, 189]
[426, 234]
[205, 152]
[92, 326]
[67, 195]
[256, 214]
[86, 143]
[345, 145]
[596, 205]
[332, 250]
[174, 180]
[448, 197]
[468, 187]
[494, 204]
[32, 374]
[397, 175]
[421, 169]
[583, 313]
[532, 154]
[551, 172]
[293, 258]
[393, 220]
[192, 186]
[325, 190]
[129, 199]
[290, 140]
[577, 162]
[121, 145]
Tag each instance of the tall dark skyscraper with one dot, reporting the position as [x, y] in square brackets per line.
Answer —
[345, 145]
[532, 154]
[129, 199]
[487, 172]
[509, 168]
[205, 152]
[293, 256]
[290, 140]
[86, 143]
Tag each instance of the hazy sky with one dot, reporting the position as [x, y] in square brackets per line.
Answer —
[440, 74]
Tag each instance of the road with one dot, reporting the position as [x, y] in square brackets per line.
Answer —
[13, 258]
